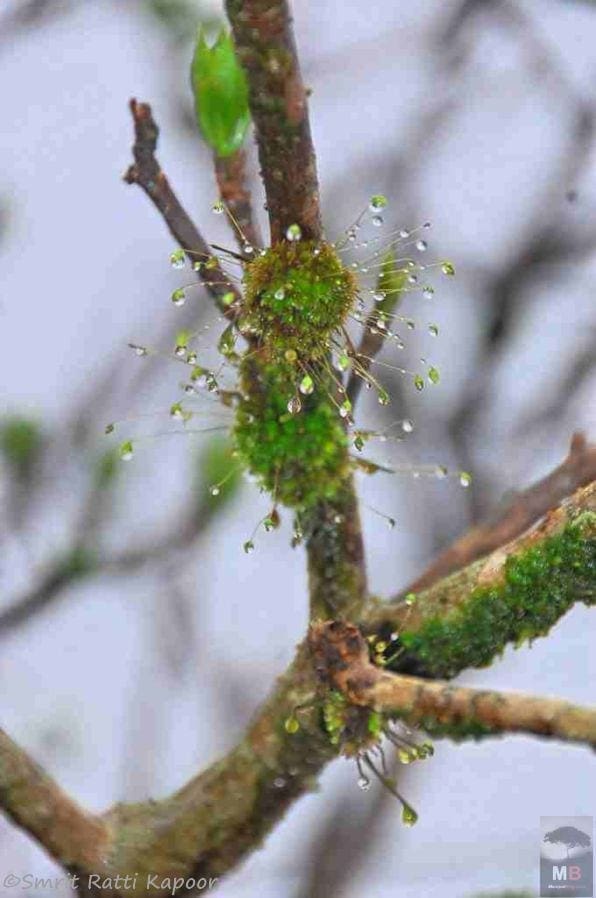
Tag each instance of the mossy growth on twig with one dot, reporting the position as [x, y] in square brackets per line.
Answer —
[297, 294]
[299, 458]
[537, 586]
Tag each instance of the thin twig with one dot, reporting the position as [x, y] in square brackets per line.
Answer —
[147, 173]
[578, 469]
[230, 172]
[342, 658]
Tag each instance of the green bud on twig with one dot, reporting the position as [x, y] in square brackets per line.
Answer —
[220, 94]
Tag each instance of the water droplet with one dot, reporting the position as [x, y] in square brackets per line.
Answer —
[280, 294]
[248, 249]
[228, 298]
[249, 546]
[279, 782]
[126, 450]
[177, 258]
[418, 382]
[196, 266]
[465, 479]
[272, 521]
[433, 330]
[407, 426]
[412, 279]
[410, 598]
[383, 397]
[345, 408]
[138, 350]
[433, 375]
[364, 783]
[109, 428]
[404, 756]
[391, 523]
[179, 297]
[294, 405]
[218, 208]
[428, 292]
[176, 411]
[191, 358]
[214, 490]
[377, 220]
[404, 233]
[291, 724]
[421, 246]
[290, 355]
[343, 362]
[189, 389]
[307, 385]
[441, 472]
[180, 350]
[316, 251]
[294, 233]
[378, 201]
[408, 815]
[448, 268]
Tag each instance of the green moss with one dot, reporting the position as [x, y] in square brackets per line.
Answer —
[296, 295]
[457, 731]
[352, 728]
[20, 443]
[299, 458]
[539, 585]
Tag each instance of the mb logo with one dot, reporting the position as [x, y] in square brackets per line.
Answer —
[566, 857]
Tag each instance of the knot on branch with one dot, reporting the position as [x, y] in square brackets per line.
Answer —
[341, 659]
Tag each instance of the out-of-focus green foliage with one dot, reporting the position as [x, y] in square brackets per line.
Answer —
[220, 94]
[219, 474]
[20, 443]
[106, 469]
[180, 18]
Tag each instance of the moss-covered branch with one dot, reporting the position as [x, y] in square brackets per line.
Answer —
[264, 40]
[515, 516]
[515, 594]
[343, 661]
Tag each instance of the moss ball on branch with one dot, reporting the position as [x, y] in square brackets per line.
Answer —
[297, 294]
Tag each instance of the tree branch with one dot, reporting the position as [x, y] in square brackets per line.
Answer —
[265, 46]
[36, 804]
[147, 173]
[518, 592]
[342, 658]
[230, 172]
[578, 469]
[211, 824]
[264, 41]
